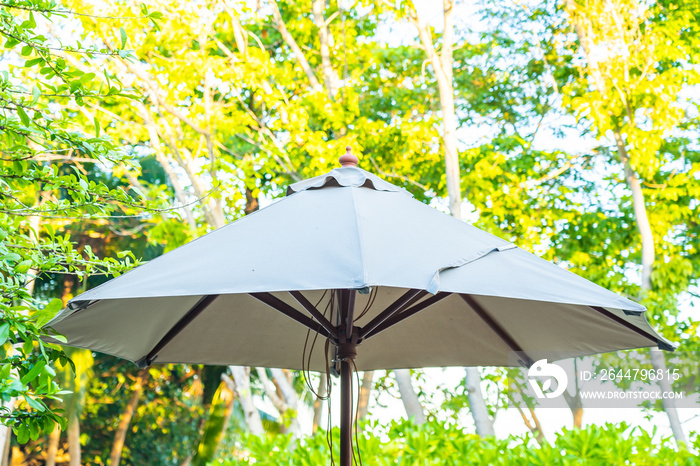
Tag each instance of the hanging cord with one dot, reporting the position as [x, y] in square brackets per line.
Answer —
[329, 425]
[368, 306]
[306, 362]
[357, 415]
[306, 372]
[329, 382]
[306, 369]
[370, 302]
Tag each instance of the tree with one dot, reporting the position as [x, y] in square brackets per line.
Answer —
[35, 139]
[144, 416]
[234, 121]
[443, 64]
[631, 95]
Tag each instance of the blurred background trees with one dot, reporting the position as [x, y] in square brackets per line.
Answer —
[128, 129]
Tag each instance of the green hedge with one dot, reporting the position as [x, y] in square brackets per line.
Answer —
[436, 443]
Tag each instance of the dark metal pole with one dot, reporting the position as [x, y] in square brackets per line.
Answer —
[346, 418]
[346, 353]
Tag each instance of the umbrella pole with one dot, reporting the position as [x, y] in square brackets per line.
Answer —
[347, 351]
[345, 413]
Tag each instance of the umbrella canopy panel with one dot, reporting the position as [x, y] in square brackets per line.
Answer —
[239, 329]
[473, 297]
[348, 238]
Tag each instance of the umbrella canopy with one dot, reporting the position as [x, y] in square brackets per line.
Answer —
[433, 291]
[445, 293]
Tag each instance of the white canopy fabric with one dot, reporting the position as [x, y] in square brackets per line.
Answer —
[349, 229]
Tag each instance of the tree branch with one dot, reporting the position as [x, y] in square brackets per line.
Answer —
[292, 44]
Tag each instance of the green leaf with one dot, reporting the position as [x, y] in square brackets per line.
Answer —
[33, 61]
[35, 94]
[60, 338]
[4, 332]
[23, 266]
[87, 77]
[122, 33]
[33, 372]
[48, 313]
[97, 127]
[12, 257]
[27, 346]
[10, 43]
[34, 403]
[22, 434]
[23, 116]
[17, 386]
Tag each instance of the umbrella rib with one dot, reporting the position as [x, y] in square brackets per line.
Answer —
[395, 307]
[279, 305]
[630, 326]
[500, 331]
[400, 317]
[192, 314]
[325, 323]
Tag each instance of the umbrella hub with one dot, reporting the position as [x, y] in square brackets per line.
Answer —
[347, 347]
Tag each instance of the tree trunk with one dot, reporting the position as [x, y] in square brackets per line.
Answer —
[573, 400]
[319, 403]
[52, 450]
[533, 425]
[279, 393]
[646, 234]
[410, 400]
[219, 414]
[576, 406]
[6, 434]
[167, 168]
[291, 399]
[638, 203]
[658, 362]
[363, 398]
[329, 75]
[477, 405]
[241, 379]
[292, 44]
[74, 440]
[120, 436]
[442, 67]
[6, 451]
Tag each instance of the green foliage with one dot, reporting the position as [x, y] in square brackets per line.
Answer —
[229, 115]
[40, 137]
[445, 444]
[164, 428]
[617, 74]
[219, 413]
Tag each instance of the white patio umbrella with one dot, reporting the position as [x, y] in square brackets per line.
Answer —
[442, 293]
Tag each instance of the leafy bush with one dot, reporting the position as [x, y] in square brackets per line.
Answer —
[443, 444]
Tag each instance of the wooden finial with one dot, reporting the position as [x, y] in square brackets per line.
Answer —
[348, 159]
